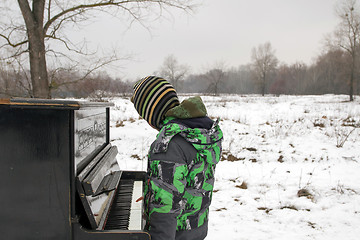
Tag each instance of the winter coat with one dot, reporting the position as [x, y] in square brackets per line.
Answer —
[180, 177]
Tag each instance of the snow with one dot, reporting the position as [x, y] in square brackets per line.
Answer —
[272, 148]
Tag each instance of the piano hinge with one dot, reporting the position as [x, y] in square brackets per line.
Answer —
[75, 219]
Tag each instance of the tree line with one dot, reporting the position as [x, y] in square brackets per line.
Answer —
[336, 70]
[329, 74]
[69, 84]
[37, 31]
[26, 50]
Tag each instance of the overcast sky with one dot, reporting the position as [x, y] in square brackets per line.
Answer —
[221, 31]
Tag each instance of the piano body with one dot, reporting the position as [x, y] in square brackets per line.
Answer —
[59, 175]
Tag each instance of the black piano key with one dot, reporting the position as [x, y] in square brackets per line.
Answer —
[119, 214]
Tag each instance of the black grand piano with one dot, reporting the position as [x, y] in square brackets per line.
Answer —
[59, 176]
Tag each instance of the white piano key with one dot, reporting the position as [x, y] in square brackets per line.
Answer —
[135, 221]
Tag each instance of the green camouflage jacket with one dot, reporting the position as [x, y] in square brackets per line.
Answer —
[180, 178]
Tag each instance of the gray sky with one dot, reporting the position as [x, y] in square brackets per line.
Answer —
[221, 31]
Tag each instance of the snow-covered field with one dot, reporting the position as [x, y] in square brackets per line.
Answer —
[290, 167]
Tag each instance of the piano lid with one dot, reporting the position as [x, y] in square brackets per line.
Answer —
[51, 103]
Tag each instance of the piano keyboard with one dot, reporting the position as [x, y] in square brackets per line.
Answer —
[125, 212]
[136, 207]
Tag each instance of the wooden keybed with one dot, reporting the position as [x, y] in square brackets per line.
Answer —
[106, 197]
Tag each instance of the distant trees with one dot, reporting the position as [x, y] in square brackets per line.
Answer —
[45, 20]
[280, 84]
[335, 70]
[14, 80]
[240, 80]
[173, 71]
[219, 79]
[11, 82]
[97, 86]
[212, 81]
[216, 78]
[330, 72]
[347, 36]
[298, 72]
[325, 75]
[264, 62]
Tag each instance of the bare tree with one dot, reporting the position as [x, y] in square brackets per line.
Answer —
[298, 72]
[216, 78]
[347, 35]
[13, 79]
[44, 20]
[331, 68]
[280, 85]
[173, 71]
[263, 61]
[5, 79]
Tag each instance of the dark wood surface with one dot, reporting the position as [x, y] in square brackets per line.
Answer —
[37, 173]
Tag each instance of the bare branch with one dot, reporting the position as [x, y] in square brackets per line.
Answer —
[66, 44]
[122, 5]
[18, 53]
[99, 64]
[13, 44]
[49, 11]
[46, 19]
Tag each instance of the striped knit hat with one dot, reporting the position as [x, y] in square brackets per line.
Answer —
[153, 97]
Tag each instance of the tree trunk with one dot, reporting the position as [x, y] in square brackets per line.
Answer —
[358, 86]
[263, 84]
[39, 76]
[34, 26]
[351, 90]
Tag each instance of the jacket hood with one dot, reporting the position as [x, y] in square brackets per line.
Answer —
[201, 138]
[189, 108]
